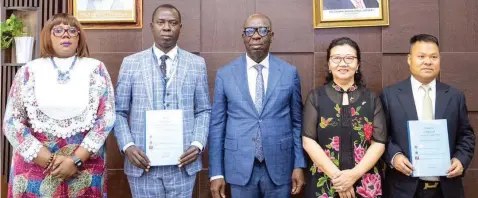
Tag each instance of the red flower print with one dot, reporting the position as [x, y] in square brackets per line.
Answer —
[335, 144]
[367, 129]
[359, 152]
[352, 110]
[371, 186]
[323, 196]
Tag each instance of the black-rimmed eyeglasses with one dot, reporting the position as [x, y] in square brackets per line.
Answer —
[262, 31]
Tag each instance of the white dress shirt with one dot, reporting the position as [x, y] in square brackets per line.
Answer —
[251, 80]
[252, 74]
[170, 70]
[418, 96]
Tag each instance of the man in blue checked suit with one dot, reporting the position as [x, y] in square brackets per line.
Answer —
[255, 132]
[163, 77]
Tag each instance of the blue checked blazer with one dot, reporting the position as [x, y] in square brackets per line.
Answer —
[235, 120]
[134, 96]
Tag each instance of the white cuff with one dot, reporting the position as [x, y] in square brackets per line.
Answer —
[93, 142]
[127, 146]
[197, 144]
[216, 177]
[391, 163]
[29, 148]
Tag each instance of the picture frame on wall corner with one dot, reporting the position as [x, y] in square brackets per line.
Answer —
[350, 13]
[107, 14]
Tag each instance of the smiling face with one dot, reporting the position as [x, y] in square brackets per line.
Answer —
[343, 62]
[64, 40]
[424, 61]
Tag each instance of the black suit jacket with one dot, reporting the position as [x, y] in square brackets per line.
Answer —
[399, 107]
[347, 4]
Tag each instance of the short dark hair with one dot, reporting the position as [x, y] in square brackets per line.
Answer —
[168, 6]
[345, 41]
[424, 38]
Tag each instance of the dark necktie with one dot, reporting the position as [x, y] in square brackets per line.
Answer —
[162, 67]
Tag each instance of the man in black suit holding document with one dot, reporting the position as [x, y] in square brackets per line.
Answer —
[421, 97]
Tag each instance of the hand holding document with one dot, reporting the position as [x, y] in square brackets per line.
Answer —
[429, 147]
[164, 136]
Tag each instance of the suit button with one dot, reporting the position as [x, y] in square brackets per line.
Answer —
[168, 94]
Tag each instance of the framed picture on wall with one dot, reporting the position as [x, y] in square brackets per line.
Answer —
[350, 13]
[107, 14]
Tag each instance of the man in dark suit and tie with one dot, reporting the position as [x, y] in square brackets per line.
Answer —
[255, 132]
[422, 97]
[349, 4]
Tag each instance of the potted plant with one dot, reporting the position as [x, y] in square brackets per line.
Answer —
[12, 31]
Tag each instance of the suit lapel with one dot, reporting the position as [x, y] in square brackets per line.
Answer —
[147, 75]
[275, 73]
[442, 100]
[240, 75]
[406, 100]
[180, 74]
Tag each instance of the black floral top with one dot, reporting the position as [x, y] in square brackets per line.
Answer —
[344, 132]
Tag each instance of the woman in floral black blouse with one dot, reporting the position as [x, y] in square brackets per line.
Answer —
[344, 130]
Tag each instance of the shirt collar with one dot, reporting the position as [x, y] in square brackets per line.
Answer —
[171, 54]
[416, 84]
[251, 63]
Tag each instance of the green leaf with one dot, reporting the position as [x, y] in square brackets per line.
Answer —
[332, 154]
[337, 115]
[323, 191]
[313, 169]
[12, 27]
[328, 146]
[321, 182]
[331, 192]
[337, 107]
[366, 119]
[375, 170]
[336, 162]
[358, 109]
[358, 128]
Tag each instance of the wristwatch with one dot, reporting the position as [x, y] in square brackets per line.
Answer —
[77, 161]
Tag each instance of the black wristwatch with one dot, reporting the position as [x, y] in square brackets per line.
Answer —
[77, 161]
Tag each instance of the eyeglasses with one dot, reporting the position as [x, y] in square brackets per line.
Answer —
[346, 59]
[250, 31]
[59, 32]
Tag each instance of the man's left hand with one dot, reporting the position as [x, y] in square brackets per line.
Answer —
[456, 168]
[297, 181]
[189, 156]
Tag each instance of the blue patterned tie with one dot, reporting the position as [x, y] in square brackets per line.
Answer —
[259, 103]
[162, 67]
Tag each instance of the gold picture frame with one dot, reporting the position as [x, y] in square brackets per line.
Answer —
[343, 13]
[110, 16]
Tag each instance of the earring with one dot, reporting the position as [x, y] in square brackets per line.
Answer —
[330, 71]
[356, 72]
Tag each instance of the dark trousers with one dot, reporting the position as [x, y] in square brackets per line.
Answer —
[428, 189]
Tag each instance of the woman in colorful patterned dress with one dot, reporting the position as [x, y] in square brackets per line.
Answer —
[59, 113]
[344, 130]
